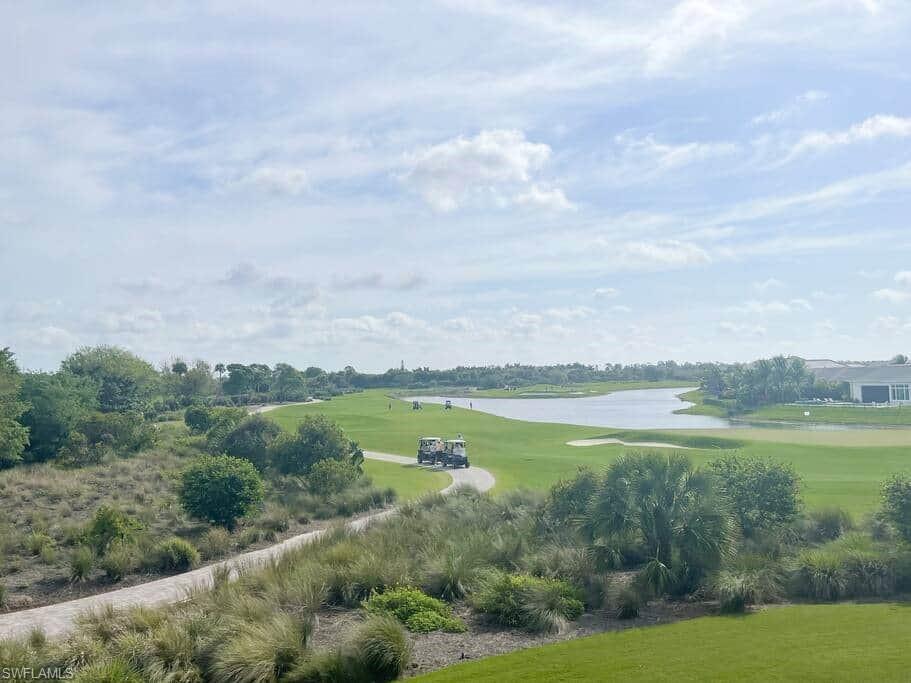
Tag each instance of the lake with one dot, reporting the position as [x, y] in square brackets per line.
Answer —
[635, 409]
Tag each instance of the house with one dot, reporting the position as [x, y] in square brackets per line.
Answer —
[873, 383]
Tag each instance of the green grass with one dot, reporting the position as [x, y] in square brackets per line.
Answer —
[846, 642]
[698, 398]
[408, 482]
[571, 390]
[843, 469]
[834, 414]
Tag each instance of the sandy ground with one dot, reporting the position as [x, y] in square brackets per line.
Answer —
[636, 444]
[58, 619]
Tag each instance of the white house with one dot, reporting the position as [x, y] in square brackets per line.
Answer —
[871, 383]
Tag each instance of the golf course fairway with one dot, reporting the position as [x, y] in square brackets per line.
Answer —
[844, 642]
[843, 469]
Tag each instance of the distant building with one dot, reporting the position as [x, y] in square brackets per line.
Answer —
[870, 383]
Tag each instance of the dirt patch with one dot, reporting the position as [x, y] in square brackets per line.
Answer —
[437, 650]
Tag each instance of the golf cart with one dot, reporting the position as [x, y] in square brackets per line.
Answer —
[430, 448]
[455, 453]
[447, 405]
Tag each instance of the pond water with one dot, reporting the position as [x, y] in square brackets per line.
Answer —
[635, 409]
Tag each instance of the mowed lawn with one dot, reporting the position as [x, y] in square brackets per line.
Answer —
[574, 390]
[842, 469]
[834, 414]
[844, 642]
[408, 482]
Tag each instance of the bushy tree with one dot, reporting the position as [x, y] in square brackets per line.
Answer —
[109, 525]
[123, 380]
[317, 438]
[220, 489]
[328, 477]
[764, 494]
[57, 403]
[13, 436]
[197, 419]
[672, 510]
[251, 440]
[896, 497]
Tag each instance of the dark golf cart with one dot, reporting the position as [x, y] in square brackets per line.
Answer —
[455, 453]
[430, 450]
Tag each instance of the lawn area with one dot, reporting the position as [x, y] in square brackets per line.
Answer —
[845, 642]
[408, 482]
[698, 398]
[834, 414]
[842, 469]
[573, 390]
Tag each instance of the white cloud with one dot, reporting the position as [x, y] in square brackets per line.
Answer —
[496, 165]
[553, 199]
[903, 277]
[799, 104]
[742, 329]
[288, 180]
[894, 296]
[647, 155]
[621, 309]
[607, 292]
[570, 313]
[875, 127]
[764, 286]
[661, 254]
[754, 307]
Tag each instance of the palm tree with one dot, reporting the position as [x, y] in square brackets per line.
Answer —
[220, 369]
[668, 508]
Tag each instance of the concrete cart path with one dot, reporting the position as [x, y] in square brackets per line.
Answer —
[58, 619]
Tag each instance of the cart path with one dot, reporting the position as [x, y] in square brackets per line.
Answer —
[57, 619]
[635, 444]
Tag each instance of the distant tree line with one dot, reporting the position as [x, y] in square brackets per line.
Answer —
[766, 381]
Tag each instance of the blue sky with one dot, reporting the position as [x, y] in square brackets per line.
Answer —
[456, 182]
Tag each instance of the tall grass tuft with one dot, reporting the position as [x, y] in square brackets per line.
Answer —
[261, 652]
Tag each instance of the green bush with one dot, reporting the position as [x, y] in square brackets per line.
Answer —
[381, 648]
[827, 524]
[124, 432]
[736, 589]
[331, 477]
[317, 438]
[119, 560]
[520, 600]
[220, 489]
[896, 496]
[222, 422]
[627, 602]
[569, 498]
[76, 451]
[764, 494]
[197, 419]
[82, 560]
[261, 652]
[215, 542]
[37, 541]
[173, 554]
[251, 439]
[418, 611]
[109, 525]
[112, 671]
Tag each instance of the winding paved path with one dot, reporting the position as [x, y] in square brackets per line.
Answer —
[58, 619]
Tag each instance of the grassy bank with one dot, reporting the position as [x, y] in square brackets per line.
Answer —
[847, 642]
[842, 469]
[702, 405]
[833, 414]
[572, 390]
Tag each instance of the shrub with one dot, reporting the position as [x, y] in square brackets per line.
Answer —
[382, 649]
[520, 600]
[2, 594]
[261, 652]
[37, 541]
[827, 524]
[197, 419]
[215, 542]
[764, 494]
[221, 422]
[627, 602]
[81, 562]
[251, 439]
[125, 432]
[220, 489]
[112, 671]
[450, 575]
[173, 554]
[119, 560]
[317, 438]
[896, 498]
[736, 589]
[76, 451]
[330, 477]
[819, 575]
[418, 611]
[569, 498]
[109, 525]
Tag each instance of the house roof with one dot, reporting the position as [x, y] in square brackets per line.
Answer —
[876, 374]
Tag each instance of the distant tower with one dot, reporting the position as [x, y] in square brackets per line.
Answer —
[403, 366]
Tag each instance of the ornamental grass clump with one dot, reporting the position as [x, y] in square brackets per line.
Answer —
[523, 601]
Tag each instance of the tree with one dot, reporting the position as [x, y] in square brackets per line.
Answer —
[220, 370]
[179, 368]
[56, 405]
[288, 383]
[13, 435]
[764, 494]
[329, 477]
[317, 438]
[198, 419]
[896, 497]
[251, 439]
[123, 380]
[672, 510]
[899, 359]
[240, 380]
[220, 489]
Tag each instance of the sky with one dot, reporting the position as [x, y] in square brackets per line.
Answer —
[446, 183]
